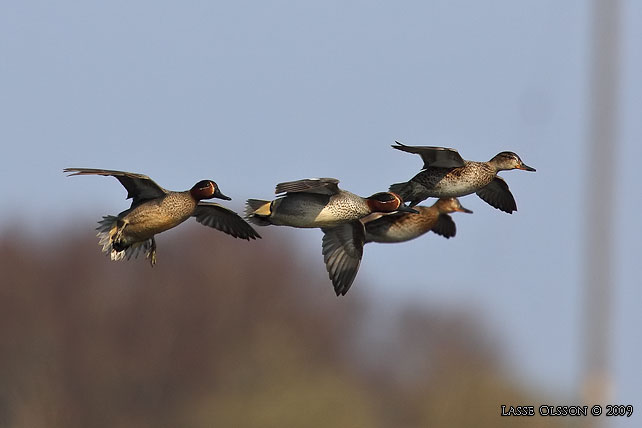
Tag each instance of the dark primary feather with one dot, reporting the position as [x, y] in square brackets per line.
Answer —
[216, 216]
[445, 226]
[342, 248]
[323, 186]
[435, 157]
[497, 194]
[140, 188]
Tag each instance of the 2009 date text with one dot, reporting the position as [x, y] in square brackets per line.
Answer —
[619, 410]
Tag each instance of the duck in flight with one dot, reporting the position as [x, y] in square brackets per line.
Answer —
[343, 245]
[319, 202]
[155, 210]
[446, 175]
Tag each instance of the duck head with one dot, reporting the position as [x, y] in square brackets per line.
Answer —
[450, 205]
[207, 189]
[509, 160]
[387, 202]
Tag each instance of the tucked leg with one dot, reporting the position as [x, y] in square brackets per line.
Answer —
[151, 253]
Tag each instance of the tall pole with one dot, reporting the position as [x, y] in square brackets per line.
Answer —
[599, 196]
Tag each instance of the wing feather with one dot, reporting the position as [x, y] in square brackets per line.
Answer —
[445, 226]
[227, 221]
[498, 195]
[140, 188]
[435, 157]
[342, 248]
[323, 186]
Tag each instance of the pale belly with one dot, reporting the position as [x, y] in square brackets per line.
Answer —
[146, 221]
[450, 189]
[437, 183]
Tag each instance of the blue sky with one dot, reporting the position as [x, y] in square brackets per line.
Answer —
[254, 93]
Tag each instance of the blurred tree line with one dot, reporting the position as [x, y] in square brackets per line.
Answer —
[226, 333]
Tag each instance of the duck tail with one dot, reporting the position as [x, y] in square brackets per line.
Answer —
[107, 229]
[257, 211]
[401, 189]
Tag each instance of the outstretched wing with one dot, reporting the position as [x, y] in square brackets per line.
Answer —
[216, 216]
[323, 186]
[140, 188]
[445, 226]
[497, 194]
[436, 157]
[342, 248]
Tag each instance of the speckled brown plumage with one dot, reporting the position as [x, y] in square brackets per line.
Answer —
[155, 210]
[447, 175]
[343, 245]
[311, 203]
[318, 202]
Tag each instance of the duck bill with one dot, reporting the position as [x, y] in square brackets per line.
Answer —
[527, 168]
[405, 209]
[465, 210]
[218, 194]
